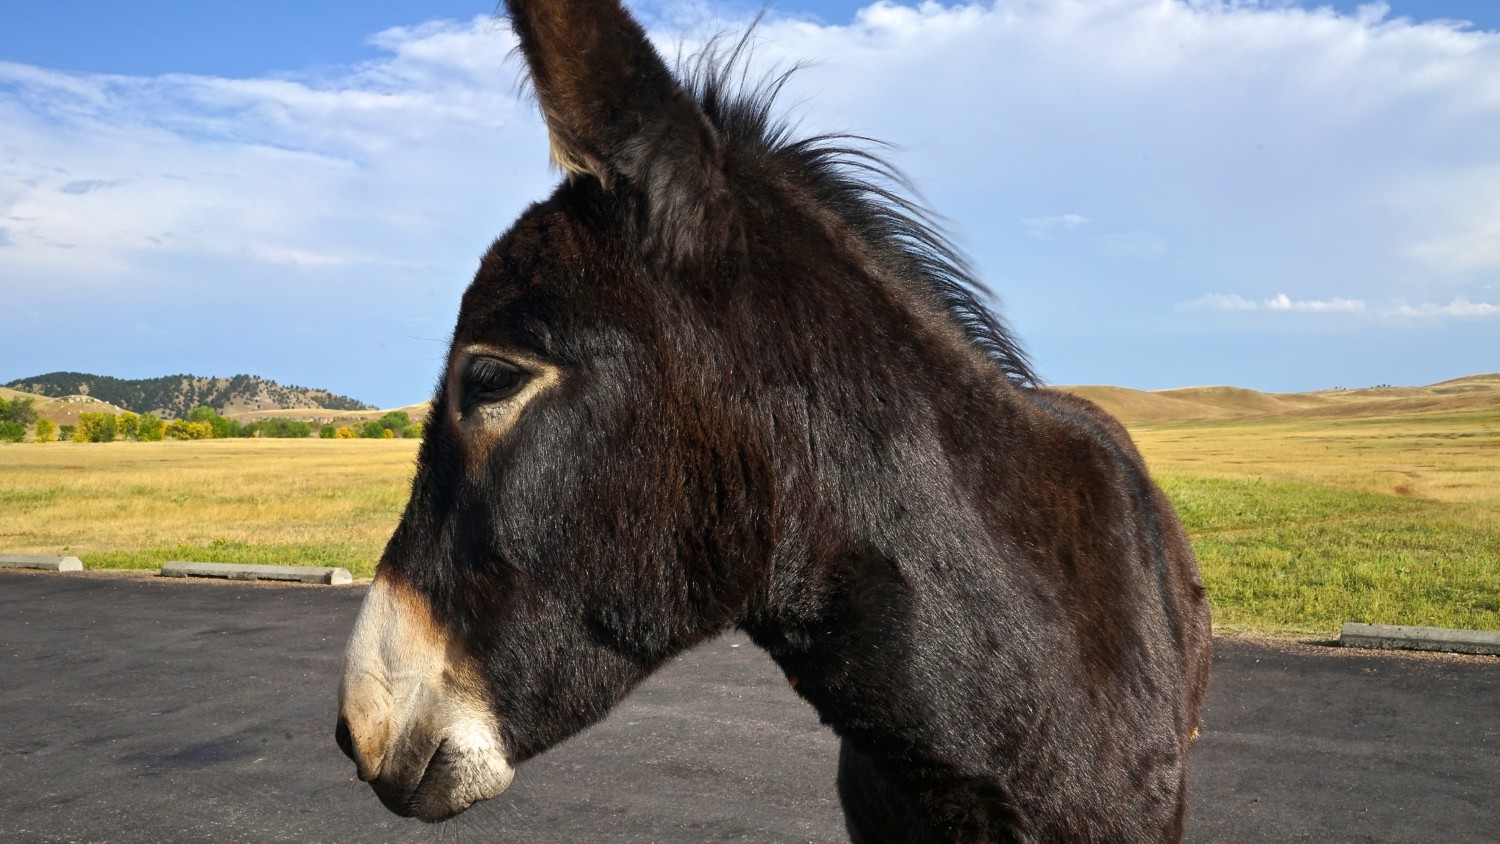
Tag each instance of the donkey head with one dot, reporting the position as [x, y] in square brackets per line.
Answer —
[573, 519]
[674, 387]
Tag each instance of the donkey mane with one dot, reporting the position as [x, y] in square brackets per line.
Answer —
[846, 176]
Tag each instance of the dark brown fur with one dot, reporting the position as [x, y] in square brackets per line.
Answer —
[783, 407]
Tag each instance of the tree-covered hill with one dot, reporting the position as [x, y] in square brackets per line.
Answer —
[174, 395]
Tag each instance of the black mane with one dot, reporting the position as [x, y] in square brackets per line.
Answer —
[868, 193]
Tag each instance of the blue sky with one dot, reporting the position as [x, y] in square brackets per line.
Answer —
[1161, 192]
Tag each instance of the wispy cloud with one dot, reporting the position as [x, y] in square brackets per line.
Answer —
[1281, 302]
[107, 174]
[1474, 248]
[1456, 308]
[1219, 302]
[83, 186]
[1233, 141]
[1043, 227]
[1136, 244]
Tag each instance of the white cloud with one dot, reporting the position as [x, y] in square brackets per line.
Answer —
[104, 175]
[1279, 302]
[1456, 308]
[1475, 248]
[1234, 141]
[1200, 124]
[1042, 227]
[1283, 302]
[1219, 302]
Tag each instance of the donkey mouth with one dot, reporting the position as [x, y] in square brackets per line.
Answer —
[409, 803]
[446, 786]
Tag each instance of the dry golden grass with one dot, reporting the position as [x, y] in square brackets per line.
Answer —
[1355, 509]
[137, 505]
[1442, 457]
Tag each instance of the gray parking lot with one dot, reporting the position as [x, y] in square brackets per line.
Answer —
[133, 709]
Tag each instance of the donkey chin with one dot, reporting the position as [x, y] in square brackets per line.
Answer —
[411, 715]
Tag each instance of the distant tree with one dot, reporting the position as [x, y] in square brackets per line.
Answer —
[222, 428]
[182, 429]
[345, 434]
[96, 428]
[416, 430]
[66, 432]
[20, 409]
[46, 430]
[397, 421]
[12, 432]
[148, 428]
[328, 432]
[281, 428]
[129, 425]
[372, 431]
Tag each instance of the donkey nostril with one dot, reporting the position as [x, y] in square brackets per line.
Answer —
[344, 738]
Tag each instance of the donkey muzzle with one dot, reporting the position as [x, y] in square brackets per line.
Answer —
[412, 713]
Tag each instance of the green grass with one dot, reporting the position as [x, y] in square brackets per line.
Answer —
[358, 558]
[1300, 523]
[1301, 558]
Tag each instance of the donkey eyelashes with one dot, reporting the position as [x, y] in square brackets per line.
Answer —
[488, 379]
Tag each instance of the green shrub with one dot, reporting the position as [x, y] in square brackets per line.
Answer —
[222, 428]
[397, 421]
[96, 428]
[19, 409]
[328, 432]
[149, 428]
[12, 432]
[65, 432]
[129, 425]
[280, 428]
[182, 429]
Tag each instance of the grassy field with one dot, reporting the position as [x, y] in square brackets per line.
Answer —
[1301, 522]
[137, 505]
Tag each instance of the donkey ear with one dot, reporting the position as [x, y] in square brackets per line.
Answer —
[612, 107]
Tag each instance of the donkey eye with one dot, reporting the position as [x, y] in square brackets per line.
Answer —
[491, 379]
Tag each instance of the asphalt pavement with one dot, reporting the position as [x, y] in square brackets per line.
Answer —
[139, 709]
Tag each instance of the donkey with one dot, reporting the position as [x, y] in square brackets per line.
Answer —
[728, 378]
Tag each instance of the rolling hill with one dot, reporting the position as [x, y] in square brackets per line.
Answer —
[173, 396]
[64, 410]
[1193, 404]
[248, 398]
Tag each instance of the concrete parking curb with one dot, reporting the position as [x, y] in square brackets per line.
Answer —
[246, 571]
[1400, 637]
[40, 561]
